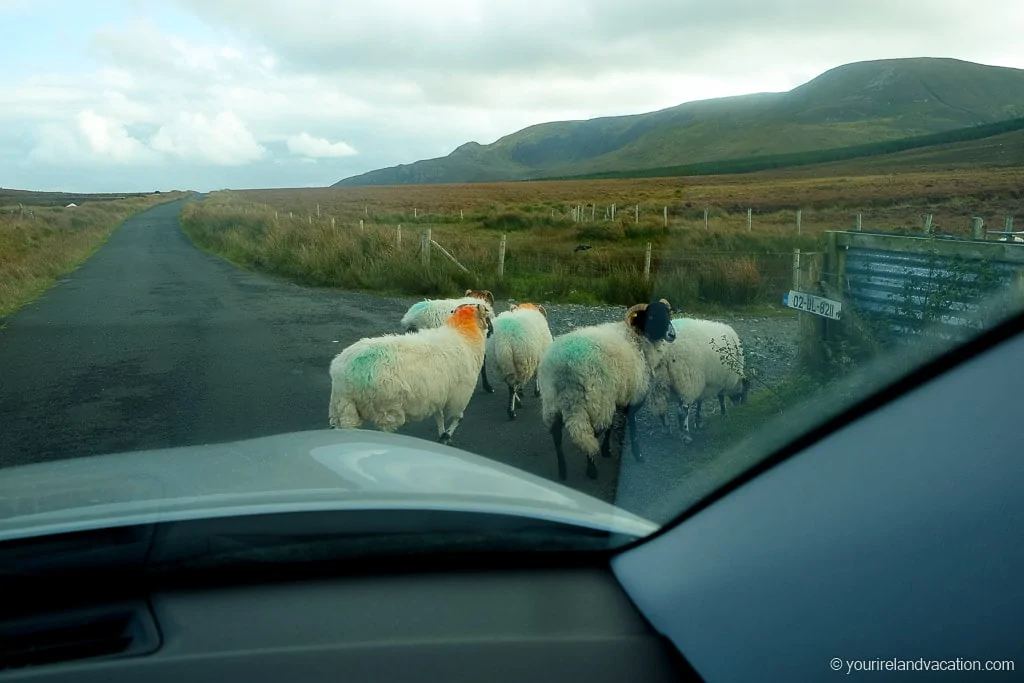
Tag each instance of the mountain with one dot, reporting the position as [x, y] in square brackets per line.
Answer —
[854, 104]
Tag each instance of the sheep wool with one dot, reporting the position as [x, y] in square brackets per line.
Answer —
[594, 379]
[394, 379]
[513, 352]
[434, 312]
[705, 361]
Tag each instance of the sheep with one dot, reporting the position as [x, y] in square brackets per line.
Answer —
[431, 313]
[593, 380]
[394, 379]
[705, 361]
[513, 352]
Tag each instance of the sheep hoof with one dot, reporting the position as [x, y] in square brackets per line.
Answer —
[591, 470]
[536, 393]
[445, 438]
[511, 414]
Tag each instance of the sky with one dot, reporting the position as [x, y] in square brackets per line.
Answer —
[141, 95]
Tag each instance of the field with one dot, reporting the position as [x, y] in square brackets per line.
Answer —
[313, 236]
[41, 240]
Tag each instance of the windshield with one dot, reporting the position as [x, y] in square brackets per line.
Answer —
[597, 260]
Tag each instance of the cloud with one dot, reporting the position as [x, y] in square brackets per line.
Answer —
[222, 140]
[309, 146]
[93, 139]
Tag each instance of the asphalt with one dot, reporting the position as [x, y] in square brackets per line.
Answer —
[154, 343]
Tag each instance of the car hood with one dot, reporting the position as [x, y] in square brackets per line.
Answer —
[302, 471]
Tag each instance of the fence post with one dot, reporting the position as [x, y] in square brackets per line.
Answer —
[647, 263]
[360, 223]
[749, 219]
[859, 222]
[706, 218]
[799, 222]
[593, 212]
[637, 213]
[1008, 228]
[977, 224]
[289, 214]
[613, 212]
[796, 269]
[664, 213]
[398, 236]
[310, 221]
[366, 210]
[461, 217]
[275, 216]
[318, 211]
[501, 257]
[332, 222]
[425, 247]
[928, 224]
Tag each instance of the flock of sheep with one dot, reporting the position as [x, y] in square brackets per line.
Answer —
[591, 381]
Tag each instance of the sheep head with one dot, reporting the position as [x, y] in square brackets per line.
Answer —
[471, 319]
[653, 321]
[482, 294]
[532, 307]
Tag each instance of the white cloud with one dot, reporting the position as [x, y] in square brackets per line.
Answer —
[222, 140]
[309, 146]
[92, 139]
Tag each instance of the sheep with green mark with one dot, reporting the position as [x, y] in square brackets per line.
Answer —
[513, 352]
[594, 379]
[394, 379]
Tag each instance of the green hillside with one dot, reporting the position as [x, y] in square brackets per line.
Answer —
[849, 106]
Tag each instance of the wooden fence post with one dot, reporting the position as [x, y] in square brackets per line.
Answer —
[860, 223]
[799, 221]
[332, 222]
[310, 221]
[1008, 228]
[928, 224]
[706, 218]
[613, 212]
[289, 214]
[664, 213]
[398, 235]
[647, 263]
[425, 247]
[977, 224]
[637, 219]
[318, 211]
[501, 257]
[750, 213]
[461, 216]
[275, 216]
[796, 269]
[360, 223]
[593, 212]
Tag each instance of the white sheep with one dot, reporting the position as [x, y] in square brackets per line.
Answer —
[394, 379]
[594, 379]
[431, 313]
[513, 352]
[705, 361]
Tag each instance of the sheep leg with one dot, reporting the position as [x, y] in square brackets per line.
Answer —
[683, 413]
[617, 433]
[697, 413]
[721, 401]
[450, 432]
[536, 387]
[634, 434]
[556, 436]
[483, 379]
[513, 399]
[439, 416]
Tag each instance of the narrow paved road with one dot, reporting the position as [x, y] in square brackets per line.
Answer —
[153, 343]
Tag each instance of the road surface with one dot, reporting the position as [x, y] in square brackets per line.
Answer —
[153, 343]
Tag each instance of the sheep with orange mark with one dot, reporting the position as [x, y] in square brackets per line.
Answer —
[431, 313]
[513, 352]
[394, 379]
[594, 379]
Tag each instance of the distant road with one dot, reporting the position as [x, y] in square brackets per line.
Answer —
[153, 343]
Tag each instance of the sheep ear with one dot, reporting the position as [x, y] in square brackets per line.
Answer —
[468, 292]
[512, 307]
[489, 297]
[543, 310]
[637, 316]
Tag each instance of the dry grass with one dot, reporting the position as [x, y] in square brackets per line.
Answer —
[723, 265]
[39, 244]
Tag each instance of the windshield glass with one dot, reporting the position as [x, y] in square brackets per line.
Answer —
[592, 255]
